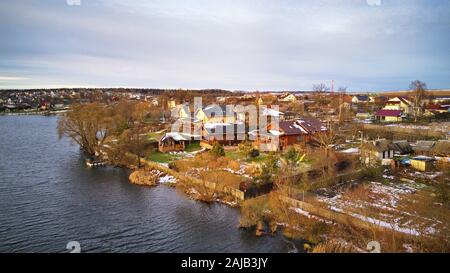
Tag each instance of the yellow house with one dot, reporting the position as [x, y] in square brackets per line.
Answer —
[399, 103]
[184, 112]
[288, 98]
[171, 103]
[216, 114]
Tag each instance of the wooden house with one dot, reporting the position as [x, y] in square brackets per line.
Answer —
[172, 142]
[288, 133]
[378, 151]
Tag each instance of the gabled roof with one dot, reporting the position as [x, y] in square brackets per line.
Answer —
[424, 145]
[312, 125]
[388, 113]
[172, 135]
[362, 97]
[402, 99]
[381, 145]
[290, 127]
[218, 109]
[301, 126]
[402, 146]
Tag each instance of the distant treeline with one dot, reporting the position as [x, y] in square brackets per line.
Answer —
[149, 91]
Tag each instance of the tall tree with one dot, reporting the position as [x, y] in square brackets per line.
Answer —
[320, 88]
[418, 93]
[86, 124]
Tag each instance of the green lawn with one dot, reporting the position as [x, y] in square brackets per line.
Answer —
[236, 155]
[157, 156]
[194, 146]
[155, 136]
[259, 159]
[162, 157]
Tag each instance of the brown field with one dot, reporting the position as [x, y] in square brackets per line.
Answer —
[437, 92]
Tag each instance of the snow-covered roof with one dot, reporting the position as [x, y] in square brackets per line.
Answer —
[272, 112]
[174, 135]
[351, 151]
[275, 132]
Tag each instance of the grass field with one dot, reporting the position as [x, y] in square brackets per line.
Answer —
[159, 157]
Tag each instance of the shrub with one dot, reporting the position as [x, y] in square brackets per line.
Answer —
[254, 153]
[252, 212]
[371, 173]
[292, 156]
[217, 150]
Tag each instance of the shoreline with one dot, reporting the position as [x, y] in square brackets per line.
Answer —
[34, 113]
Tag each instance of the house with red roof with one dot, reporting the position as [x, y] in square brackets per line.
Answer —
[289, 133]
[432, 109]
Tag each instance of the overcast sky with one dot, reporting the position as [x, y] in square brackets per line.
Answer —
[236, 45]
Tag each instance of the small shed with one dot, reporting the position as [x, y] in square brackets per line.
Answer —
[171, 142]
[422, 163]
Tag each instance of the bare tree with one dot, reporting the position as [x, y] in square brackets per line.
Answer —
[320, 88]
[418, 93]
[342, 89]
[326, 139]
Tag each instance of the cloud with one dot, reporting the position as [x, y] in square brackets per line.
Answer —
[9, 78]
[226, 44]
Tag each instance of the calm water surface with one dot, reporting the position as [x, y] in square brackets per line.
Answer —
[48, 198]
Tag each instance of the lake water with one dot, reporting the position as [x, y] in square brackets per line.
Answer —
[48, 197]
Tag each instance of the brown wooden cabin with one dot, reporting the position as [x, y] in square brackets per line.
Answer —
[289, 133]
[171, 142]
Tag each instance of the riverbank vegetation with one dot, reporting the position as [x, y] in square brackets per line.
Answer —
[110, 132]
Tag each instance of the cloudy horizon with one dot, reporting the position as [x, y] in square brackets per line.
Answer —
[233, 45]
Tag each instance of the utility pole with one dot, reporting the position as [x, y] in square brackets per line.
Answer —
[332, 88]
[361, 147]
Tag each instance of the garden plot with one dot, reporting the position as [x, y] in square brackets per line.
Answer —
[403, 207]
